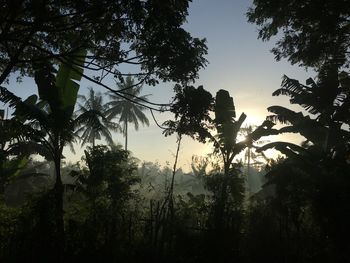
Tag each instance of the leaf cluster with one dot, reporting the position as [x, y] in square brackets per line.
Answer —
[191, 108]
[310, 32]
[109, 172]
[148, 34]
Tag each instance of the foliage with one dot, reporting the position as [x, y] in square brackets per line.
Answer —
[60, 93]
[146, 33]
[191, 109]
[108, 172]
[310, 33]
[311, 183]
[92, 121]
[330, 105]
[8, 219]
[51, 129]
[108, 213]
[235, 186]
[9, 169]
[127, 107]
[100, 218]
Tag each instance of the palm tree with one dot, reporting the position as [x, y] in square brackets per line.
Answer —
[125, 108]
[251, 157]
[92, 121]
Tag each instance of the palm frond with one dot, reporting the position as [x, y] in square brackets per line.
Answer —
[126, 109]
[94, 119]
[289, 149]
[8, 97]
[24, 110]
[28, 148]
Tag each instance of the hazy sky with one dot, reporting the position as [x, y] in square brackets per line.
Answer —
[238, 62]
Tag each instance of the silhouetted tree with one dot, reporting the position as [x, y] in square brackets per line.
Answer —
[314, 174]
[127, 108]
[52, 129]
[92, 120]
[107, 183]
[192, 108]
[227, 145]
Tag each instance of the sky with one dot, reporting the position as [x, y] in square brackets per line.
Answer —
[238, 62]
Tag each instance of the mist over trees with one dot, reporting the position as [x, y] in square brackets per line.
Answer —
[234, 205]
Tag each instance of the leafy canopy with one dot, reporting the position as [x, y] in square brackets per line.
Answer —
[147, 34]
[310, 32]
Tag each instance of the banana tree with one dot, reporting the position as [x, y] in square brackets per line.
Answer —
[51, 128]
[314, 176]
[226, 143]
[16, 144]
[192, 108]
[328, 104]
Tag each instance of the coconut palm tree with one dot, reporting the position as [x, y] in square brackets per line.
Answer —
[92, 121]
[125, 109]
[251, 157]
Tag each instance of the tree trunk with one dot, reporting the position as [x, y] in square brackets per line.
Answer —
[221, 202]
[175, 165]
[249, 153]
[248, 171]
[126, 135]
[58, 203]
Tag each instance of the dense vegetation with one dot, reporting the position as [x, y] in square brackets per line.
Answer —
[110, 207]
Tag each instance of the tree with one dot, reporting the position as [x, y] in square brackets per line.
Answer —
[312, 31]
[128, 111]
[109, 172]
[192, 108]
[144, 33]
[107, 183]
[327, 99]
[313, 179]
[92, 120]
[52, 128]
[227, 145]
